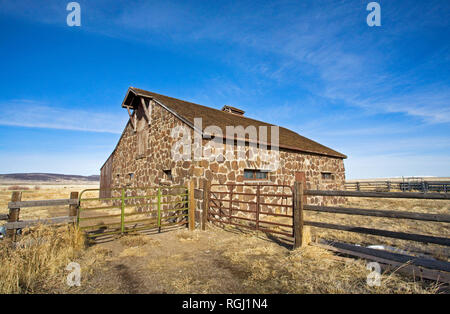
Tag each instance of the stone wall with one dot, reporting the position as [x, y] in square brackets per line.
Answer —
[141, 157]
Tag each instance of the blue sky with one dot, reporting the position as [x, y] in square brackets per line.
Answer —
[381, 95]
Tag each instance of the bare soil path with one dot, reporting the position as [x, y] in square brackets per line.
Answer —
[223, 261]
[177, 261]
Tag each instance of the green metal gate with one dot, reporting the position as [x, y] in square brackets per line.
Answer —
[132, 209]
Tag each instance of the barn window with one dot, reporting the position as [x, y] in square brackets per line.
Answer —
[327, 176]
[255, 174]
[168, 173]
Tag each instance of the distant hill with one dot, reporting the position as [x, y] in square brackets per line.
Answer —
[47, 177]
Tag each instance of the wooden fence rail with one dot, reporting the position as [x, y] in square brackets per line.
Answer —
[417, 185]
[39, 203]
[44, 221]
[16, 204]
[380, 213]
[412, 195]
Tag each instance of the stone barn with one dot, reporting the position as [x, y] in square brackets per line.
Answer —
[145, 154]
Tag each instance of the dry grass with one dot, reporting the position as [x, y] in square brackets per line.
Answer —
[36, 262]
[138, 240]
[244, 263]
[308, 270]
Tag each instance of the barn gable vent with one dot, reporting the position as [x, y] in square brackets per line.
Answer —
[233, 110]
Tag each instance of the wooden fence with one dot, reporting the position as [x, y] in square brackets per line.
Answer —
[380, 213]
[220, 210]
[293, 202]
[406, 186]
[16, 204]
[421, 267]
[74, 203]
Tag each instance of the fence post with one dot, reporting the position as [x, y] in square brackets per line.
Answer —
[122, 212]
[206, 187]
[298, 214]
[14, 214]
[73, 208]
[159, 209]
[191, 210]
[257, 206]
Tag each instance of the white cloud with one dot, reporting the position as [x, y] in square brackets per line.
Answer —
[26, 113]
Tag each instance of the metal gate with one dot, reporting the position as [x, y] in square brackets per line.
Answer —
[263, 207]
[132, 209]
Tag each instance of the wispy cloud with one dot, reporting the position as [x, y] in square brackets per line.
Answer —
[312, 66]
[33, 114]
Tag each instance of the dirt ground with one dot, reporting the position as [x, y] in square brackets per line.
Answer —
[223, 261]
[175, 261]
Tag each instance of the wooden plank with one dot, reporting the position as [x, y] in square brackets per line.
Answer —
[4, 216]
[73, 208]
[191, 210]
[392, 266]
[57, 202]
[383, 233]
[430, 196]
[389, 256]
[206, 188]
[44, 221]
[14, 213]
[379, 213]
[298, 221]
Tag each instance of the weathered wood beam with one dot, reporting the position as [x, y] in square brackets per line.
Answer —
[45, 221]
[43, 203]
[386, 255]
[132, 118]
[147, 110]
[379, 213]
[428, 196]
[383, 233]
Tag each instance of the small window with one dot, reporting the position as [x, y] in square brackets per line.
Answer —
[255, 174]
[168, 174]
[327, 176]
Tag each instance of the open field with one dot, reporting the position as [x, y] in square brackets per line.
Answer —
[398, 179]
[214, 261]
[41, 191]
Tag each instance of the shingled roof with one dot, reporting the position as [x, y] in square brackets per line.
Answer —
[187, 111]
